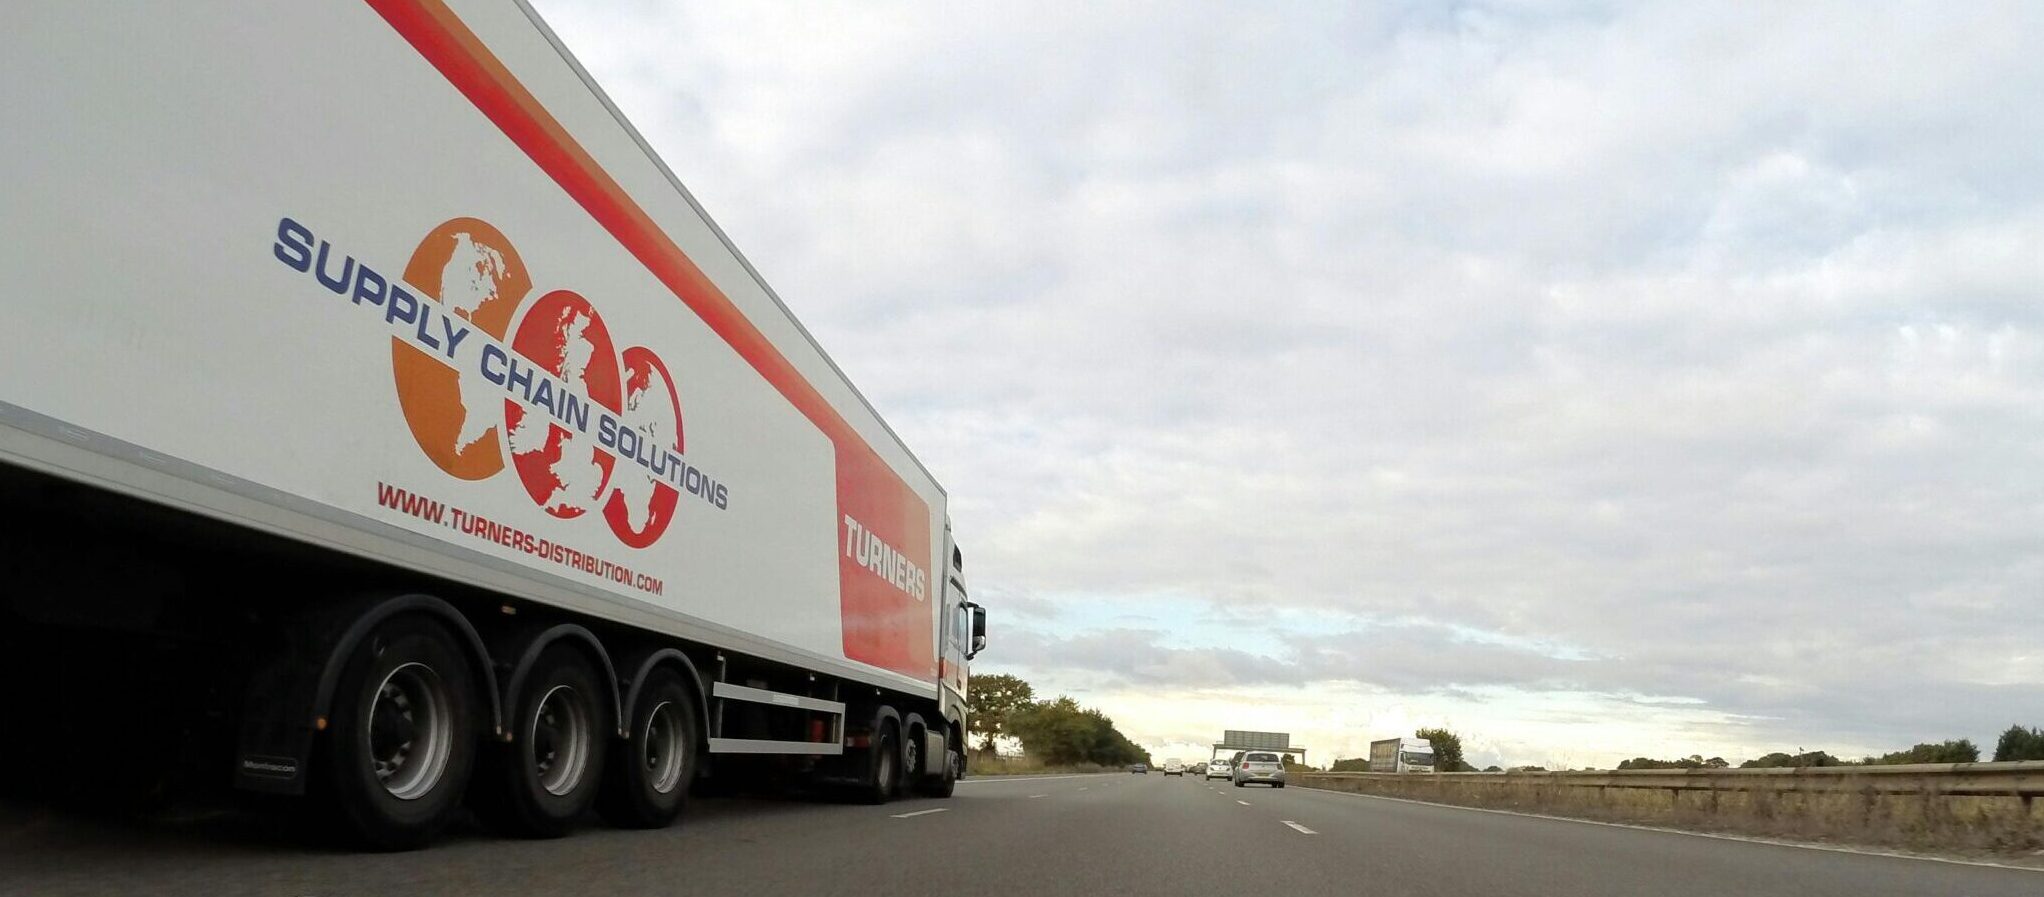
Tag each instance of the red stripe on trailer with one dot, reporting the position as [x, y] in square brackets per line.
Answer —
[883, 625]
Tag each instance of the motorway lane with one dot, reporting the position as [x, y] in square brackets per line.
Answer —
[1042, 837]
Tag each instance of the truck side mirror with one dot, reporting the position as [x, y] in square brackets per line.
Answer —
[979, 631]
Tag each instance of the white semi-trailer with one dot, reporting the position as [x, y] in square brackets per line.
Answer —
[381, 421]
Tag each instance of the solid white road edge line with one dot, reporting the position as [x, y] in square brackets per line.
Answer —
[919, 813]
[1715, 836]
[1300, 828]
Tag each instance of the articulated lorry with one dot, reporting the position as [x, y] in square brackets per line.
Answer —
[1401, 755]
[382, 423]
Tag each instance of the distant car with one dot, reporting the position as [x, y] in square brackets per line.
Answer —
[1260, 766]
[1174, 767]
[1142, 768]
[1217, 770]
[1198, 769]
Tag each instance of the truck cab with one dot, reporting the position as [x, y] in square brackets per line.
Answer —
[1412, 759]
[964, 636]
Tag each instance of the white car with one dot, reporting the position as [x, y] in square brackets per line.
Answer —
[1217, 769]
[1174, 767]
[1260, 766]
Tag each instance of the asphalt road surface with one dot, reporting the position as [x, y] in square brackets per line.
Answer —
[1032, 837]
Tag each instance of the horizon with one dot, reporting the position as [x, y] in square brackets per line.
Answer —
[1594, 380]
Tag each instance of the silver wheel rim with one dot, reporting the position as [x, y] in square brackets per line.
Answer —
[910, 759]
[661, 747]
[411, 731]
[560, 739]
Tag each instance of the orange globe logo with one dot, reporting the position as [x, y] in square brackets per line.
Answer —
[535, 406]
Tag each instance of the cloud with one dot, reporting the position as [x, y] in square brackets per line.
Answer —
[1130, 656]
[1705, 342]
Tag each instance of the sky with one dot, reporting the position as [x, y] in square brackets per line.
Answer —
[1597, 380]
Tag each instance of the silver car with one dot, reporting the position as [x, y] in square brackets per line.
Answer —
[1260, 766]
[1217, 769]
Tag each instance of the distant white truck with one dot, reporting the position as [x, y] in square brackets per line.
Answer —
[1401, 755]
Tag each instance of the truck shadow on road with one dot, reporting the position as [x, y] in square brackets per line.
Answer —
[52, 831]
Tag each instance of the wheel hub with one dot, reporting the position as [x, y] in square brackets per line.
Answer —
[664, 752]
[410, 731]
[561, 738]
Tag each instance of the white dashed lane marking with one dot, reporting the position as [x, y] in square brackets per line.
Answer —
[919, 813]
[1300, 828]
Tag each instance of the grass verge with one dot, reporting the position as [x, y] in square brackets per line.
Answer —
[1981, 826]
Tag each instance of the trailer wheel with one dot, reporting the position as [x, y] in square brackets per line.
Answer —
[550, 772]
[402, 741]
[884, 777]
[650, 772]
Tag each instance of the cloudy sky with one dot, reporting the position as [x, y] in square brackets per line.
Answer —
[1595, 379]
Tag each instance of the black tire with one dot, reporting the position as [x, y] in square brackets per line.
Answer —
[914, 738]
[944, 785]
[1278, 785]
[1238, 785]
[650, 772]
[382, 710]
[538, 785]
[883, 775]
